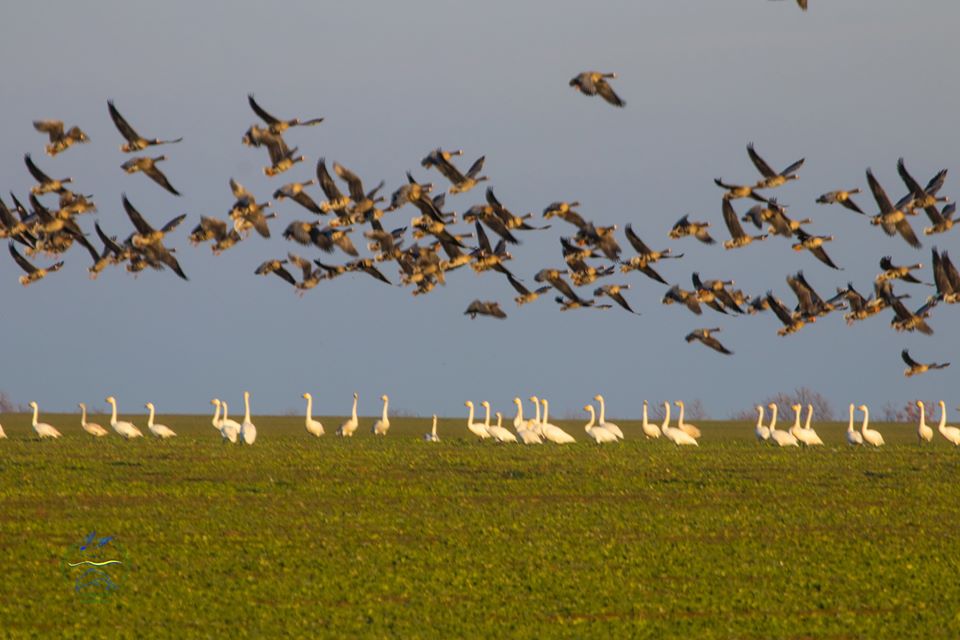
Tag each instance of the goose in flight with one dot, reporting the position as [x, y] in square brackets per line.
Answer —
[737, 191]
[276, 266]
[612, 291]
[645, 257]
[906, 320]
[843, 198]
[946, 277]
[45, 184]
[915, 368]
[161, 431]
[526, 295]
[870, 436]
[484, 308]
[90, 427]
[893, 219]
[553, 277]
[814, 244]
[681, 296]
[775, 215]
[943, 220]
[684, 227]
[704, 336]
[314, 427]
[924, 197]
[61, 138]
[924, 432]
[43, 429]
[592, 83]
[950, 433]
[565, 211]
[595, 431]
[460, 183]
[148, 166]
[126, 429]
[432, 436]
[351, 424]
[738, 237]
[275, 125]
[893, 272]
[134, 141]
[772, 178]
[150, 241]
[214, 229]
[32, 273]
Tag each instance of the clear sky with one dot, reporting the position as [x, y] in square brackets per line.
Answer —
[847, 85]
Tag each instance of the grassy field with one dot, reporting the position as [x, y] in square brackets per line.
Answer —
[395, 537]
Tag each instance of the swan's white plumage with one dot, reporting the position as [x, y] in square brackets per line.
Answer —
[158, 430]
[90, 427]
[43, 429]
[248, 430]
[126, 429]
[314, 427]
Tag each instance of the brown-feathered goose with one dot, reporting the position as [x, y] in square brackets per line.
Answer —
[842, 198]
[737, 191]
[684, 227]
[134, 141]
[814, 244]
[526, 296]
[276, 125]
[891, 218]
[276, 266]
[61, 139]
[295, 191]
[32, 273]
[484, 308]
[738, 237]
[564, 211]
[149, 168]
[893, 272]
[772, 178]
[592, 83]
[704, 336]
[915, 368]
[687, 298]
[45, 184]
[612, 291]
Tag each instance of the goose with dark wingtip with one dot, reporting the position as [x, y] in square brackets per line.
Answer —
[771, 178]
[705, 336]
[915, 368]
[484, 308]
[134, 141]
[591, 83]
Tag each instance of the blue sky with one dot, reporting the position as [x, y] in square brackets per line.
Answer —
[847, 85]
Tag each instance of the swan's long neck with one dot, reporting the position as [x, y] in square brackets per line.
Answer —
[386, 401]
[83, 415]
[809, 417]
[680, 419]
[216, 415]
[353, 414]
[433, 430]
[499, 421]
[923, 420]
[943, 417]
[150, 419]
[644, 414]
[486, 420]
[113, 412]
[773, 418]
[666, 417]
[36, 412]
[796, 418]
[593, 416]
[518, 421]
[226, 416]
[309, 408]
[536, 403]
[246, 405]
[850, 424]
[603, 410]
[470, 417]
[759, 417]
[866, 419]
[546, 411]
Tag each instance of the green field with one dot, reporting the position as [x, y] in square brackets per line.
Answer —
[394, 537]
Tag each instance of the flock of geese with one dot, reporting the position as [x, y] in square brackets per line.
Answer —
[535, 430]
[428, 249]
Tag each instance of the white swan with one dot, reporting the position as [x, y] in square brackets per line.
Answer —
[2, 434]
[649, 430]
[552, 432]
[229, 429]
[381, 426]
[248, 430]
[598, 433]
[158, 430]
[90, 427]
[314, 427]
[534, 424]
[476, 428]
[673, 434]
[761, 431]
[525, 434]
[854, 437]
[795, 428]
[609, 426]
[782, 438]
[126, 429]
[950, 433]
[807, 435]
[43, 429]
[432, 436]
[350, 425]
[870, 436]
[924, 432]
[498, 432]
[686, 427]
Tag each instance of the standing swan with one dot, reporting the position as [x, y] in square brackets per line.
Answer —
[649, 430]
[534, 424]
[782, 438]
[686, 427]
[924, 433]
[598, 433]
[93, 429]
[2, 434]
[314, 427]
[476, 428]
[248, 430]
[673, 434]
[43, 429]
[761, 431]
[518, 422]
[525, 434]
[126, 429]
[381, 426]
[158, 430]
[498, 432]
[870, 436]
[609, 426]
[229, 429]
[853, 437]
[950, 433]
[807, 435]
[552, 432]
[347, 428]
[432, 436]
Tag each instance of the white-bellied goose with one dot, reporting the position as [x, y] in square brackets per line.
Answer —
[591, 83]
[148, 166]
[737, 191]
[772, 178]
[915, 368]
[134, 141]
[61, 139]
[684, 227]
[276, 125]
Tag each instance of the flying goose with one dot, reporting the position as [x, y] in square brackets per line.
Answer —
[366, 265]
[214, 229]
[591, 83]
[281, 161]
[703, 335]
[775, 215]
[715, 295]
[275, 125]
[842, 198]
[413, 193]
[525, 294]
[437, 156]
[295, 191]
[311, 278]
[906, 320]
[737, 191]
[946, 277]
[511, 220]
[276, 266]
[923, 197]
[33, 273]
[814, 244]
[564, 211]
[553, 277]
[612, 291]
[363, 201]
[134, 141]
[891, 218]
[45, 184]
[149, 167]
[914, 368]
[772, 178]
[460, 183]
[484, 308]
[60, 139]
[893, 272]
[738, 238]
[792, 322]
[684, 227]
[149, 241]
[681, 296]
[942, 220]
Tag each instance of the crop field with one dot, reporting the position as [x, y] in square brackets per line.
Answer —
[394, 537]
